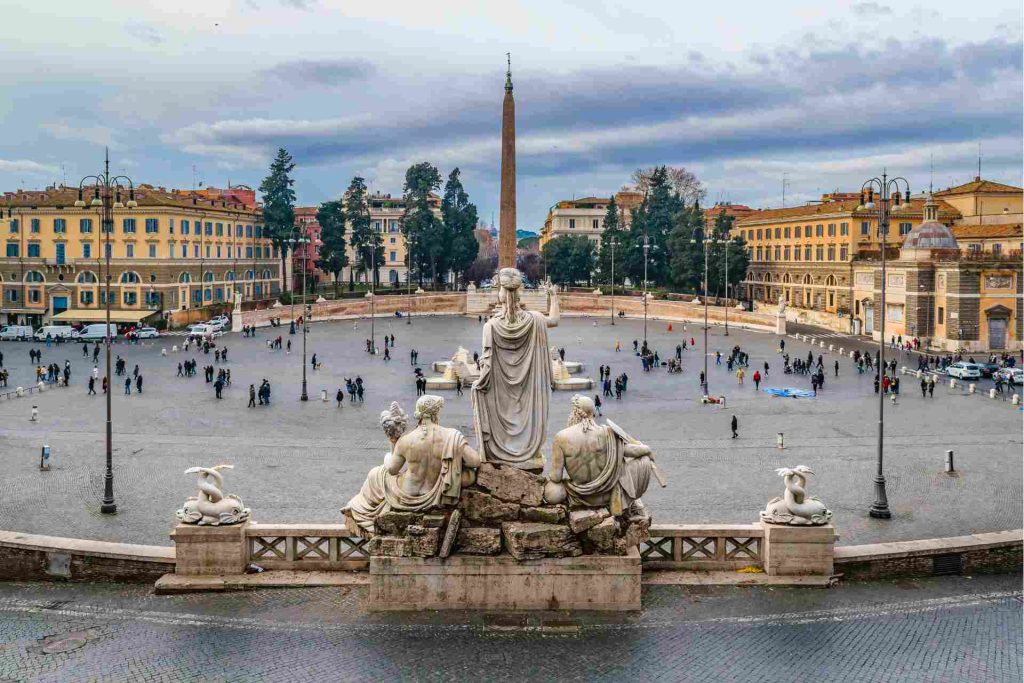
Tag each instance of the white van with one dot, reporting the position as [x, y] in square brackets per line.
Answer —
[202, 331]
[97, 331]
[54, 332]
[15, 332]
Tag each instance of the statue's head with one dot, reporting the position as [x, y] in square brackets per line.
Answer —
[428, 407]
[393, 421]
[510, 278]
[582, 411]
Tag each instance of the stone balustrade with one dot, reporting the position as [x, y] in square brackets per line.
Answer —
[703, 547]
[305, 547]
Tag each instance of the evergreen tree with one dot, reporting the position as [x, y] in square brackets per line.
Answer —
[611, 233]
[738, 258]
[655, 218]
[569, 259]
[686, 250]
[365, 241]
[419, 224]
[460, 218]
[279, 206]
[333, 258]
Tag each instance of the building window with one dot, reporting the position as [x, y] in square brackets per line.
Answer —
[973, 248]
[393, 256]
[170, 226]
[130, 298]
[759, 253]
[107, 226]
[997, 249]
[248, 252]
[940, 316]
[596, 223]
[12, 295]
[12, 249]
[394, 241]
[33, 249]
[218, 251]
[195, 251]
[14, 226]
[34, 226]
[807, 253]
[197, 296]
[35, 296]
[108, 250]
[152, 225]
[865, 228]
[843, 253]
[831, 299]
[750, 235]
[778, 233]
[152, 251]
[831, 252]
[759, 233]
[86, 250]
[844, 229]
[220, 230]
[819, 230]
[785, 252]
[248, 231]
[184, 226]
[129, 250]
[377, 226]
[796, 253]
[572, 223]
[128, 225]
[60, 225]
[904, 228]
[85, 297]
[819, 253]
[778, 252]
[209, 228]
[85, 225]
[207, 251]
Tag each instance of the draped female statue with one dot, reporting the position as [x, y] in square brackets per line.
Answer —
[510, 399]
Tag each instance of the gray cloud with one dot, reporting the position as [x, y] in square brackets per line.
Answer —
[323, 72]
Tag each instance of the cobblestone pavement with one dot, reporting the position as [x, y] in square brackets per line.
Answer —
[950, 629]
[300, 462]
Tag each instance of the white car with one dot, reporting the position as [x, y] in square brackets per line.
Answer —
[964, 370]
[204, 331]
[147, 333]
[222, 319]
[1011, 375]
[216, 324]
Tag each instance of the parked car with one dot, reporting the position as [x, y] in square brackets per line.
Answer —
[1011, 375]
[964, 370]
[97, 331]
[54, 332]
[202, 331]
[222, 319]
[15, 332]
[988, 369]
[216, 325]
[147, 333]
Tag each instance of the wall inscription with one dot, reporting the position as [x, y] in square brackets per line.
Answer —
[998, 282]
[866, 279]
[898, 280]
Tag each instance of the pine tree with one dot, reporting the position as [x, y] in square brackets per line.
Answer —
[611, 233]
[420, 226]
[279, 206]
[569, 259]
[333, 258]
[460, 218]
[654, 219]
[365, 241]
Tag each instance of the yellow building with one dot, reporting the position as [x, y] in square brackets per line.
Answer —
[386, 218]
[586, 216]
[168, 253]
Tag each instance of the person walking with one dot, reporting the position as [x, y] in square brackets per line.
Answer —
[92, 387]
[734, 425]
[458, 382]
[218, 386]
[104, 385]
[340, 397]
[931, 386]
[387, 352]
[618, 348]
[876, 384]
[597, 405]
[924, 387]
[127, 386]
[837, 368]
[252, 396]
[739, 376]
[138, 383]
[766, 369]
[757, 380]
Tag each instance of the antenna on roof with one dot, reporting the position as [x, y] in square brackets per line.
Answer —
[931, 171]
[979, 161]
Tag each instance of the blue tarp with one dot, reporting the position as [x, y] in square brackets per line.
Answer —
[790, 393]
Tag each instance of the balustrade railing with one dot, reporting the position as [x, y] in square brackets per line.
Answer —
[306, 547]
[703, 547]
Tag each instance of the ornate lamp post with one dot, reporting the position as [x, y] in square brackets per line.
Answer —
[647, 247]
[373, 260]
[613, 244]
[705, 242]
[888, 200]
[306, 308]
[411, 243]
[107, 197]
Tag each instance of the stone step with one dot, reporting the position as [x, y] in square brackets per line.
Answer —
[180, 583]
[726, 578]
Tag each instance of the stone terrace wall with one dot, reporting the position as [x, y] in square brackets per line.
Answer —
[386, 305]
[31, 557]
[998, 552]
[600, 305]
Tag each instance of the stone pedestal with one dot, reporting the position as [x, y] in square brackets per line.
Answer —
[588, 582]
[798, 550]
[780, 324]
[209, 550]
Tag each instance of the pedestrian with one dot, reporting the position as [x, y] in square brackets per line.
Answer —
[313, 361]
[618, 349]
[138, 383]
[924, 387]
[837, 368]
[458, 383]
[92, 387]
[597, 405]
[387, 352]
[218, 386]
[931, 386]
[757, 380]
[104, 385]
[739, 376]
[252, 396]
[735, 426]
[766, 369]
[340, 397]
[127, 386]
[876, 383]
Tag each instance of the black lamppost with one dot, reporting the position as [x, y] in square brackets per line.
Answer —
[107, 196]
[647, 247]
[306, 308]
[888, 192]
[706, 241]
[411, 244]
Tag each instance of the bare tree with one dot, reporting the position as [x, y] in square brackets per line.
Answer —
[681, 180]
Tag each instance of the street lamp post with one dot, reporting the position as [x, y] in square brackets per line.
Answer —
[647, 248]
[728, 243]
[705, 242]
[408, 278]
[614, 244]
[306, 310]
[888, 190]
[373, 294]
[107, 196]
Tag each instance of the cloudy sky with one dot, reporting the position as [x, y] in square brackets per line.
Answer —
[823, 94]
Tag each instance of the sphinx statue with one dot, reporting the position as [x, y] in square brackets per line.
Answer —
[595, 465]
[796, 507]
[425, 469]
[212, 506]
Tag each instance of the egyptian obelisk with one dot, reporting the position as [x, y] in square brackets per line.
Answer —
[507, 221]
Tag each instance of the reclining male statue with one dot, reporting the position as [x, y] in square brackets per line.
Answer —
[605, 466]
[425, 469]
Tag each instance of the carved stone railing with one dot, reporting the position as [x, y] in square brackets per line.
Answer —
[703, 547]
[305, 547]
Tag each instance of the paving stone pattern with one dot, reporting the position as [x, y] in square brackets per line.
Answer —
[950, 629]
[300, 462]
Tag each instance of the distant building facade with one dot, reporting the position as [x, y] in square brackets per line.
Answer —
[586, 216]
[386, 218]
[734, 211]
[305, 256]
[171, 252]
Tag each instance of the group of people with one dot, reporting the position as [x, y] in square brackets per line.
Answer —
[248, 330]
[263, 393]
[85, 351]
[53, 374]
[607, 385]
[355, 389]
[187, 368]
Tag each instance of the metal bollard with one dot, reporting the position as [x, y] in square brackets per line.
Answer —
[991, 393]
[44, 458]
[949, 462]
[972, 388]
[952, 382]
[780, 440]
[822, 344]
[831, 346]
[1016, 399]
[35, 414]
[323, 395]
[842, 351]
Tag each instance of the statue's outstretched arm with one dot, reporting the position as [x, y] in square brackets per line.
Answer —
[394, 462]
[636, 450]
[554, 311]
[470, 458]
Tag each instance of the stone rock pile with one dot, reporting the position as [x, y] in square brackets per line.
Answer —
[504, 510]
